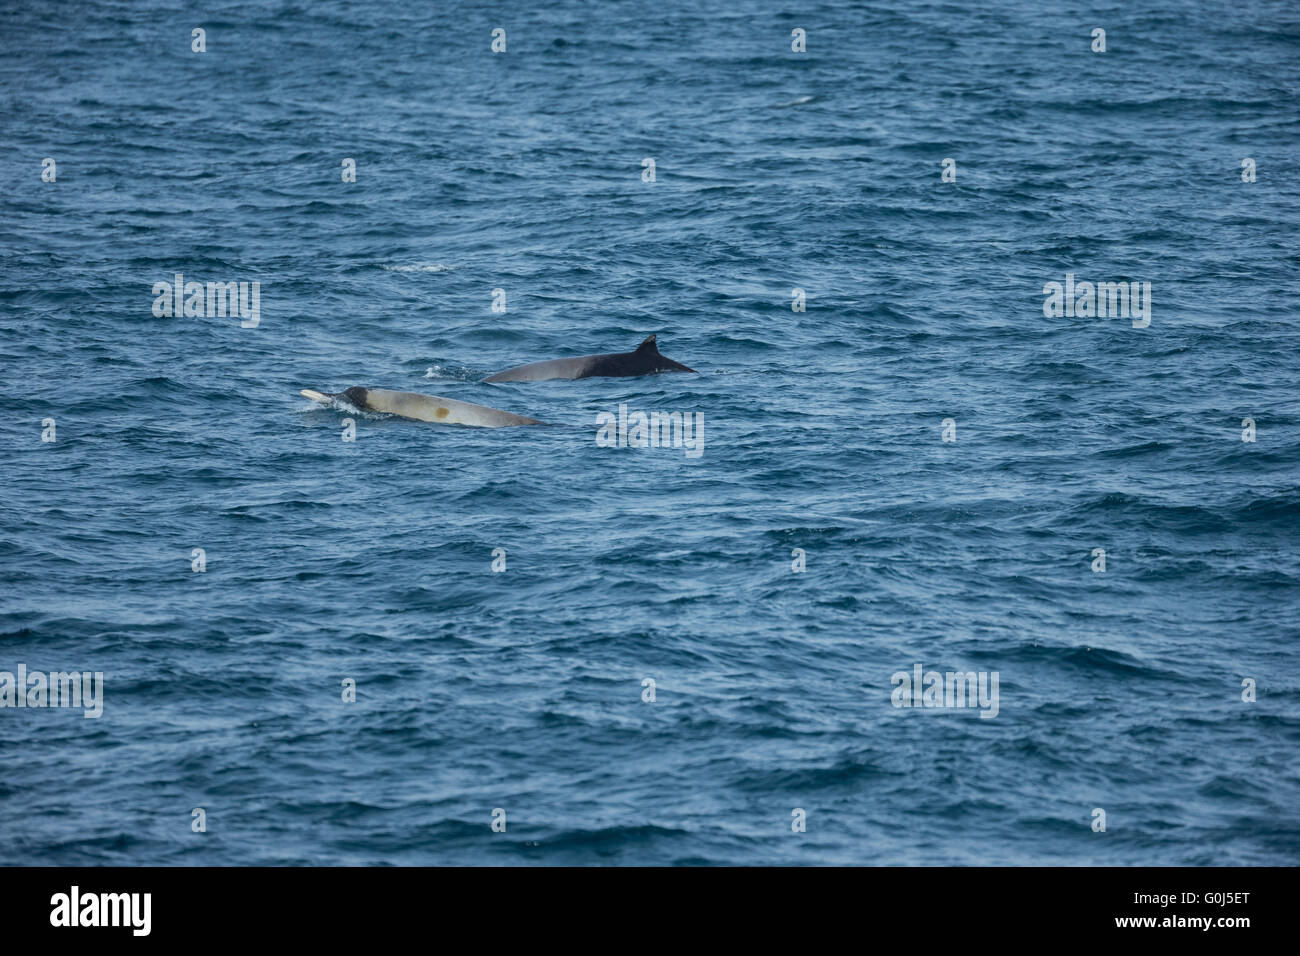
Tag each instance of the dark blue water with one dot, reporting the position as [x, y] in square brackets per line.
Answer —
[371, 560]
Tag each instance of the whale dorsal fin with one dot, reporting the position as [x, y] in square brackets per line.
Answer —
[649, 346]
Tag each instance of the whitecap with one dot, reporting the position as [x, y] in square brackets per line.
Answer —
[420, 267]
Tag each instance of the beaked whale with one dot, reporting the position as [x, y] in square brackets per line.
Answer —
[643, 361]
[424, 408]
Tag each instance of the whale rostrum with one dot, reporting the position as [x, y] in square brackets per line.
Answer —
[423, 408]
[645, 360]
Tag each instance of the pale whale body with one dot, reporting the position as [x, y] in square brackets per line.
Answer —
[423, 408]
[644, 361]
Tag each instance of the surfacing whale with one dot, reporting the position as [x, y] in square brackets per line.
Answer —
[423, 408]
[645, 360]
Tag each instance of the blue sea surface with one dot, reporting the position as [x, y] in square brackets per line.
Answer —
[522, 691]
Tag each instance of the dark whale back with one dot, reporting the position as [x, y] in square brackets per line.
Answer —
[356, 396]
[644, 360]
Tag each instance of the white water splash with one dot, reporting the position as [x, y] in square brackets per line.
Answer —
[420, 267]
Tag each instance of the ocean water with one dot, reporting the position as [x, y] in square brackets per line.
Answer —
[823, 430]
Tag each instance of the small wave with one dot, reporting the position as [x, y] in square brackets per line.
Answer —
[420, 267]
[459, 373]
